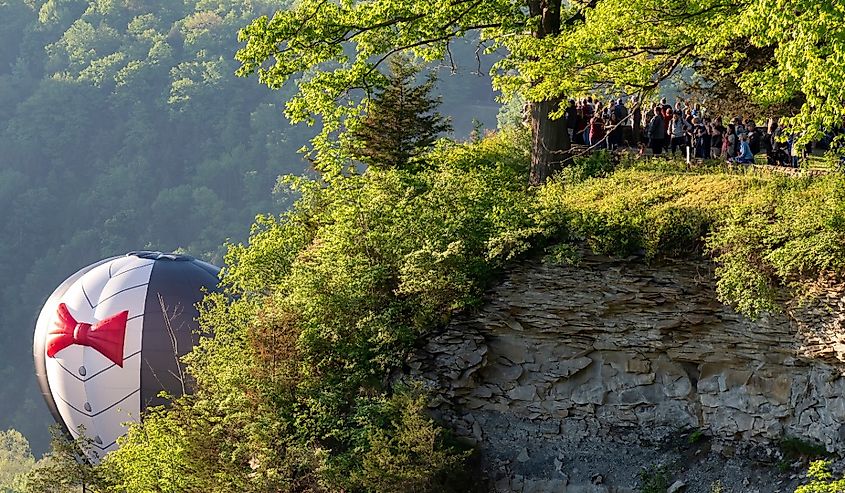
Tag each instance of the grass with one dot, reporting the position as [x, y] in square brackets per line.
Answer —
[771, 235]
[795, 448]
[654, 480]
[655, 208]
[695, 437]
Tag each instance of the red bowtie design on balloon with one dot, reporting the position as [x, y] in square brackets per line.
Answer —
[106, 336]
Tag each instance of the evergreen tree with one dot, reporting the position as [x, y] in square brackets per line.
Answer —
[15, 460]
[401, 121]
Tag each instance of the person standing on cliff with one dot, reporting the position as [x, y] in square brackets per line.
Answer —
[571, 119]
[677, 133]
[636, 122]
[656, 132]
[597, 130]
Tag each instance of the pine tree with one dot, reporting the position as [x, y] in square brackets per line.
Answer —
[401, 120]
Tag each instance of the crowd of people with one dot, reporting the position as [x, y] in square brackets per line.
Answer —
[685, 129]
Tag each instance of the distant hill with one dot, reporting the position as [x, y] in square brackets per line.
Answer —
[124, 128]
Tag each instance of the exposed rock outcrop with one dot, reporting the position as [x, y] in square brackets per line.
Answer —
[631, 353]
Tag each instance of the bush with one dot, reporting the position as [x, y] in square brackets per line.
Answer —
[794, 448]
[779, 245]
[771, 236]
[596, 165]
[412, 454]
[821, 480]
[654, 480]
[640, 211]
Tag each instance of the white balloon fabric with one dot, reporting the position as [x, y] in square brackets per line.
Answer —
[109, 339]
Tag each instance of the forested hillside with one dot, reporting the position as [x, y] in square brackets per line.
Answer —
[123, 126]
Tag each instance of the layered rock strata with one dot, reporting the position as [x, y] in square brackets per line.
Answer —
[630, 351]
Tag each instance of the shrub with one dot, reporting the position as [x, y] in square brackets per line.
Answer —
[771, 236]
[794, 448]
[654, 213]
[779, 245]
[654, 480]
[821, 480]
[695, 437]
[596, 165]
[411, 453]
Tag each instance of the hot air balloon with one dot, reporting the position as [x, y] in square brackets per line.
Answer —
[109, 338]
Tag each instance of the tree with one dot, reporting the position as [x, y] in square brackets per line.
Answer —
[296, 390]
[15, 460]
[821, 479]
[556, 49]
[778, 56]
[401, 121]
[87, 122]
[63, 469]
[312, 38]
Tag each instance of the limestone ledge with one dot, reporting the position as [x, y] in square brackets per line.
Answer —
[612, 345]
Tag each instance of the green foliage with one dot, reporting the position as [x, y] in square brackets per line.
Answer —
[401, 121]
[332, 51]
[297, 384]
[511, 113]
[803, 57]
[795, 448]
[411, 457]
[295, 389]
[654, 480]
[792, 237]
[124, 127]
[64, 469]
[197, 446]
[772, 51]
[563, 254]
[772, 237]
[594, 165]
[640, 211]
[695, 437]
[15, 460]
[821, 480]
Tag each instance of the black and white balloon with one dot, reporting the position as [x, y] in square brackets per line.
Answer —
[109, 338]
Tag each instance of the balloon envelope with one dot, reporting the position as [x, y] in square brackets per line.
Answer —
[109, 338]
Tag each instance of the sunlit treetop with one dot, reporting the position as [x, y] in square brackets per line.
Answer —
[809, 59]
[557, 49]
[334, 48]
[627, 45]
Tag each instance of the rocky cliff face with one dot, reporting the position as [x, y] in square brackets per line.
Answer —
[570, 369]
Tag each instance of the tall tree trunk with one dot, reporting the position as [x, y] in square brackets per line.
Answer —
[549, 138]
[549, 141]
